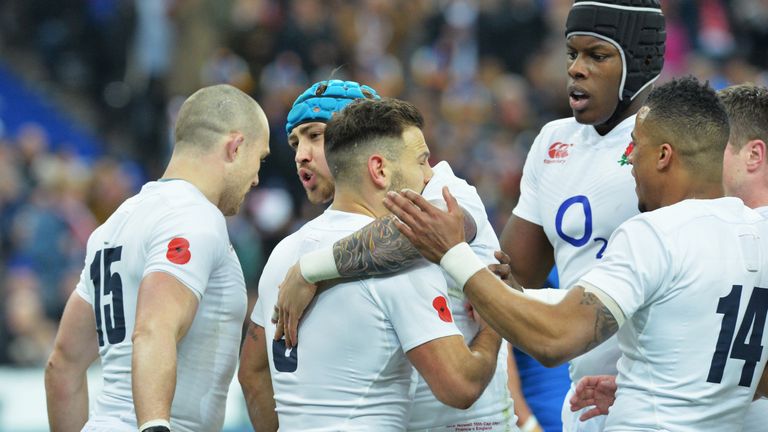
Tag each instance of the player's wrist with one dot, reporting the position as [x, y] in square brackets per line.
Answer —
[318, 266]
[156, 425]
[461, 263]
[530, 425]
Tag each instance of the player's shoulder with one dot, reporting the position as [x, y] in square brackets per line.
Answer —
[443, 175]
[560, 126]
[673, 218]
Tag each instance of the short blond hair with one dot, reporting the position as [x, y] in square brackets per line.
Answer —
[213, 112]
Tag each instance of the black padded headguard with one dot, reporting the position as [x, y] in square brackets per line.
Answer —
[635, 28]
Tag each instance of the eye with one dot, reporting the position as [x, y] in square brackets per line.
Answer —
[599, 57]
[315, 135]
[572, 55]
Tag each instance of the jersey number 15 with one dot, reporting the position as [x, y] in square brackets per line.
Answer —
[106, 282]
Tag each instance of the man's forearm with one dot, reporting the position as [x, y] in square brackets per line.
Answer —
[379, 248]
[485, 351]
[67, 399]
[550, 333]
[153, 375]
[259, 398]
[256, 381]
[376, 249]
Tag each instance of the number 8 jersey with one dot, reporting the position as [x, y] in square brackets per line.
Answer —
[168, 227]
[575, 188]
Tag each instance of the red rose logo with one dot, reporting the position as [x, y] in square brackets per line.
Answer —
[625, 157]
[441, 306]
[178, 251]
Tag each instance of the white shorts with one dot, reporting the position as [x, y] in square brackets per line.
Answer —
[571, 422]
[757, 416]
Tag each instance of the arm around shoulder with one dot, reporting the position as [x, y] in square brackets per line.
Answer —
[75, 348]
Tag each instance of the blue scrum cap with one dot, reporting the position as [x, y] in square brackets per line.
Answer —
[634, 27]
[319, 102]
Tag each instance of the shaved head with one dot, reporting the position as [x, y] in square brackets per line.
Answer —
[216, 111]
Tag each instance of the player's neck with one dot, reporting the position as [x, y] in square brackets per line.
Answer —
[755, 194]
[358, 201]
[189, 169]
[692, 190]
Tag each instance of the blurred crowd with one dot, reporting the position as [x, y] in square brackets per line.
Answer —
[487, 74]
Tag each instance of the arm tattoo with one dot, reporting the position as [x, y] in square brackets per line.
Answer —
[605, 323]
[376, 249]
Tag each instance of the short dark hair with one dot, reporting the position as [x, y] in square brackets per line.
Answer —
[366, 126]
[747, 108]
[689, 116]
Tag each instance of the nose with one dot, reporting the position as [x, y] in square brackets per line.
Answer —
[428, 175]
[303, 153]
[576, 68]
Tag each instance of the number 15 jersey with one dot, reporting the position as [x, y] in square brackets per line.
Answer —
[170, 227]
[575, 188]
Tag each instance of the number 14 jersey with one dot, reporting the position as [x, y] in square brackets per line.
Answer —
[691, 280]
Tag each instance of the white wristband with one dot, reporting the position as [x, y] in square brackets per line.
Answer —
[155, 422]
[461, 263]
[319, 265]
[530, 425]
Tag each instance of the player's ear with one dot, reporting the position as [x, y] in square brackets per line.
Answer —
[756, 154]
[233, 145]
[378, 171]
[665, 156]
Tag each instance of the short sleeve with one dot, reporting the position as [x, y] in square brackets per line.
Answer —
[187, 243]
[527, 206]
[82, 286]
[634, 266]
[416, 303]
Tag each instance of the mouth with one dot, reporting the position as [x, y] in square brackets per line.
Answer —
[307, 178]
[578, 98]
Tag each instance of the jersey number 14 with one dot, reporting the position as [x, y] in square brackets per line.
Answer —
[749, 351]
[105, 282]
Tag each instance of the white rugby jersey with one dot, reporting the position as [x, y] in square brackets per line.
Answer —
[168, 227]
[757, 414]
[692, 281]
[494, 409]
[349, 370]
[575, 188]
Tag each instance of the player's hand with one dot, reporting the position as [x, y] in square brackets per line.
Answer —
[292, 300]
[504, 270]
[598, 391]
[431, 230]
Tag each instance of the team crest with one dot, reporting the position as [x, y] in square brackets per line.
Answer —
[625, 157]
